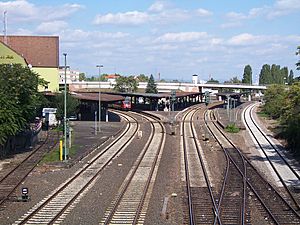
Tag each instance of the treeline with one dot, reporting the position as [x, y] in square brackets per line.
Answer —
[284, 105]
[275, 75]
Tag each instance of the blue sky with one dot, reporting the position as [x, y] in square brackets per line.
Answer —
[174, 38]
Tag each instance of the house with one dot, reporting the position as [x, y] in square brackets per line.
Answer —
[40, 53]
[111, 77]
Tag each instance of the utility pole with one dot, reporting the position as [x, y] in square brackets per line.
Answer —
[99, 98]
[65, 109]
[5, 27]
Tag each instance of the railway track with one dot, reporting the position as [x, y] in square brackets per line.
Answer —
[54, 208]
[288, 176]
[273, 207]
[232, 199]
[202, 207]
[11, 181]
[131, 202]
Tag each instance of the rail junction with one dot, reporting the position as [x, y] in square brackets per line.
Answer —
[156, 167]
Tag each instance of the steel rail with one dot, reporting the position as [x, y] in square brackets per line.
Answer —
[28, 168]
[268, 158]
[192, 220]
[226, 177]
[125, 186]
[232, 160]
[65, 185]
[263, 179]
[187, 176]
[215, 208]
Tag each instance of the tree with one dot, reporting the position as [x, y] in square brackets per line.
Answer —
[274, 97]
[290, 79]
[298, 53]
[212, 81]
[143, 78]
[72, 105]
[284, 75]
[290, 119]
[103, 77]
[82, 76]
[247, 76]
[283, 104]
[265, 75]
[126, 84]
[92, 78]
[19, 98]
[234, 80]
[276, 74]
[151, 86]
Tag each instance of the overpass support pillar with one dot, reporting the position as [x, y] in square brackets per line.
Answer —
[220, 98]
[249, 97]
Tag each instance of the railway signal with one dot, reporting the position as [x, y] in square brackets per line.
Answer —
[206, 98]
[24, 197]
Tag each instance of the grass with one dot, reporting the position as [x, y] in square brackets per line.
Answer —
[263, 114]
[232, 128]
[53, 156]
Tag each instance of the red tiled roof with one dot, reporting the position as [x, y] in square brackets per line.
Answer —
[39, 51]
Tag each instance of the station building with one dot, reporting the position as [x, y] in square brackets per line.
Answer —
[40, 53]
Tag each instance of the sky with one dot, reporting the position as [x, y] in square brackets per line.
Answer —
[173, 38]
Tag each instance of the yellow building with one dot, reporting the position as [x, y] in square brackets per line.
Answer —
[40, 53]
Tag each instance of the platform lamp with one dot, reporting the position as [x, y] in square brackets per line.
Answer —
[99, 98]
[65, 109]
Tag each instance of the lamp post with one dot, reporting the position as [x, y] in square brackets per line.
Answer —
[65, 109]
[99, 98]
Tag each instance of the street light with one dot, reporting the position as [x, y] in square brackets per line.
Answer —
[65, 109]
[99, 98]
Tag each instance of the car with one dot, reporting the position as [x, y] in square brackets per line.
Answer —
[73, 117]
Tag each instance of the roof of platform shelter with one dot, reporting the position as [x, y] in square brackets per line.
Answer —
[159, 95]
[94, 96]
[231, 94]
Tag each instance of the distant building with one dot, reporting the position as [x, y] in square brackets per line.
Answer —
[111, 77]
[71, 75]
[40, 53]
[195, 79]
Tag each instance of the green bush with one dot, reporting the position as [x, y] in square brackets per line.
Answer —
[232, 128]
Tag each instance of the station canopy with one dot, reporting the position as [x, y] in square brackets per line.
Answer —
[178, 94]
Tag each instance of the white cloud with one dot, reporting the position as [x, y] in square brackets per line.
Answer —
[203, 12]
[284, 7]
[157, 6]
[159, 12]
[22, 31]
[52, 27]
[245, 39]
[130, 18]
[236, 16]
[18, 9]
[231, 24]
[24, 11]
[79, 35]
[279, 8]
[182, 37]
[216, 41]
